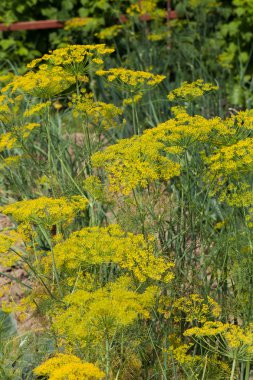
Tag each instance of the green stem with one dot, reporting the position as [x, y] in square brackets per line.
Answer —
[35, 273]
[233, 369]
[88, 144]
[107, 353]
[53, 261]
[15, 279]
[247, 371]
[204, 370]
[136, 131]
[165, 358]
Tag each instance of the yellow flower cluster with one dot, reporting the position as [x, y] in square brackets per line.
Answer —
[137, 161]
[102, 312]
[78, 22]
[183, 354]
[68, 367]
[8, 239]
[235, 339]
[146, 7]
[6, 104]
[228, 172]
[110, 32]
[45, 83]
[99, 113]
[75, 59]
[6, 77]
[135, 99]
[189, 91]
[196, 308]
[130, 79]
[25, 130]
[107, 245]
[37, 109]
[46, 211]
[7, 141]
[9, 107]
[184, 130]
[158, 36]
[58, 71]
[242, 120]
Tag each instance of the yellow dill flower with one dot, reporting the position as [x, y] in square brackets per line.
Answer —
[26, 230]
[156, 155]
[10, 140]
[110, 32]
[8, 239]
[185, 130]
[26, 129]
[228, 172]
[208, 329]
[158, 36]
[7, 141]
[9, 106]
[79, 22]
[241, 120]
[5, 78]
[196, 308]
[182, 356]
[44, 83]
[133, 81]
[146, 7]
[102, 312]
[135, 162]
[185, 356]
[68, 367]
[234, 340]
[136, 98]
[218, 226]
[104, 245]
[77, 371]
[46, 211]
[74, 59]
[190, 91]
[99, 113]
[37, 109]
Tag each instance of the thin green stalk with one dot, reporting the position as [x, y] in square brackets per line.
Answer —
[107, 355]
[53, 261]
[15, 279]
[140, 210]
[233, 369]
[35, 273]
[204, 370]
[247, 371]
[165, 358]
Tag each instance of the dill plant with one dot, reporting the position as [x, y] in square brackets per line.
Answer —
[130, 238]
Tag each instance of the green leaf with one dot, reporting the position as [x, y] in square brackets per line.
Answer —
[7, 43]
[237, 95]
[8, 325]
[22, 51]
